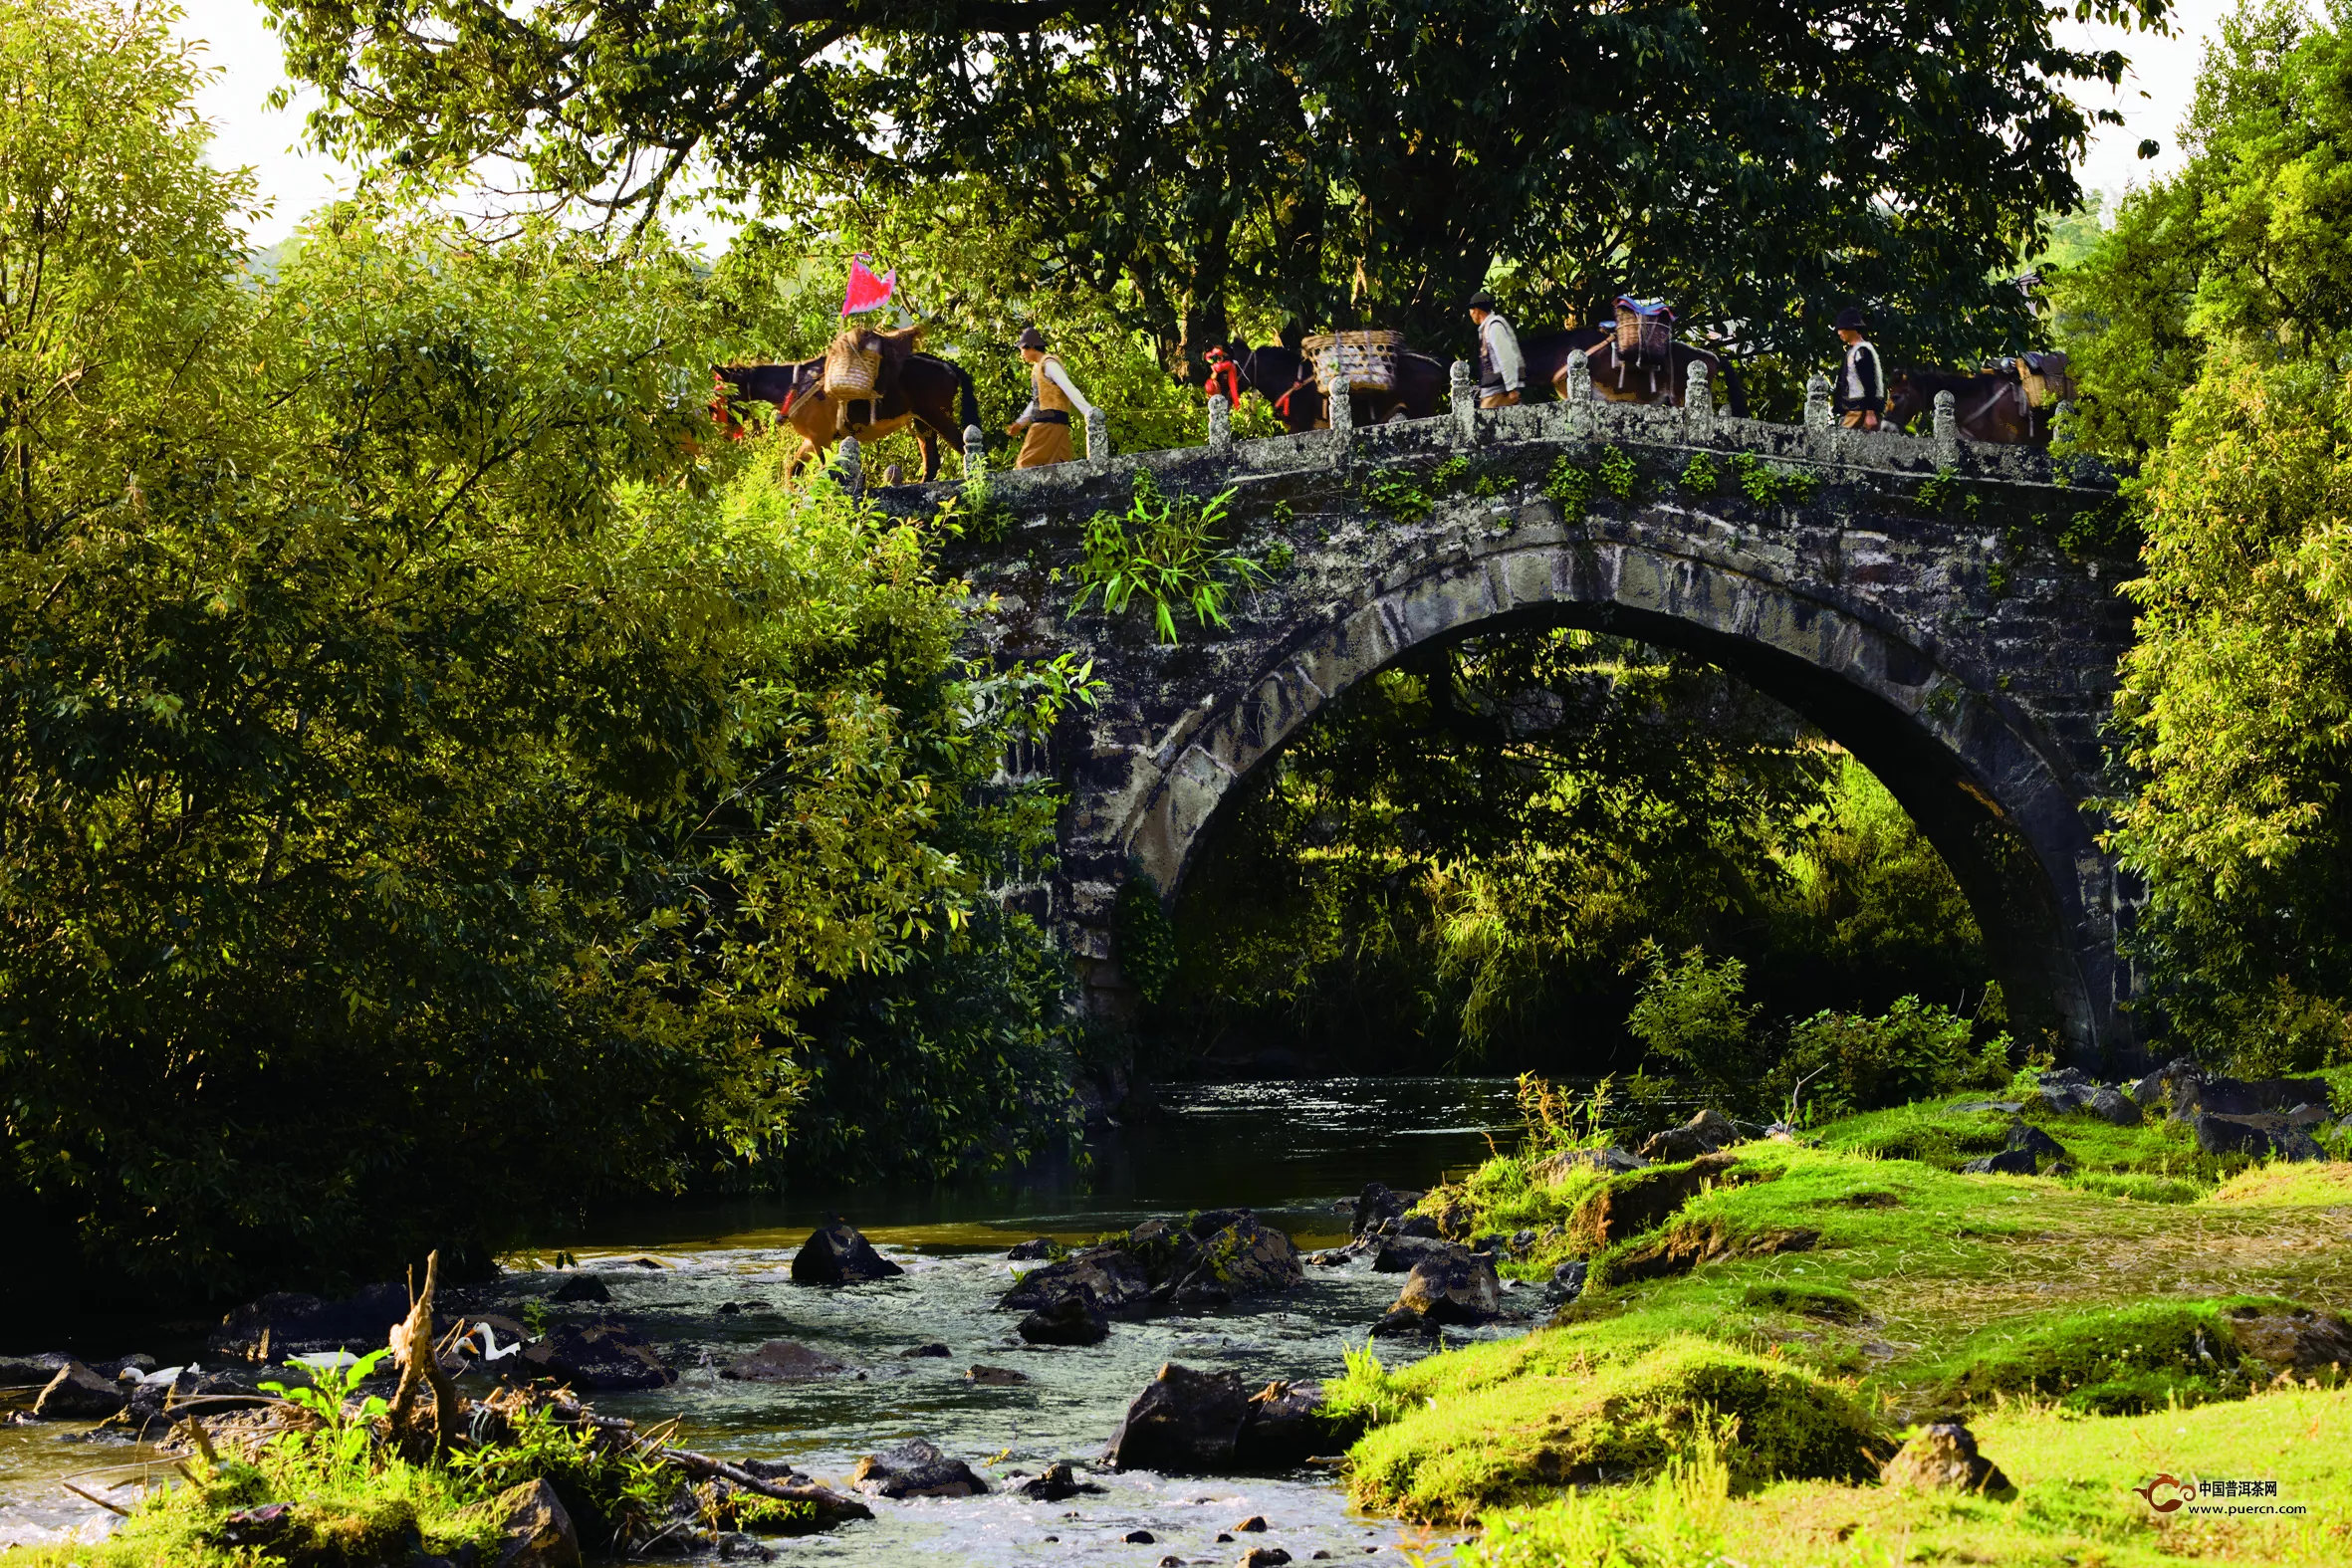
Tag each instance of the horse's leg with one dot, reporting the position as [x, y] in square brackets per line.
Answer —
[808, 449]
[927, 439]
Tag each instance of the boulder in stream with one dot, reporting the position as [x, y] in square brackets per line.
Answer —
[915, 1469]
[1400, 1253]
[1230, 1260]
[1115, 1279]
[78, 1393]
[1072, 1320]
[783, 1361]
[1459, 1289]
[286, 1323]
[837, 1254]
[581, 1287]
[597, 1355]
[1184, 1423]
[533, 1531]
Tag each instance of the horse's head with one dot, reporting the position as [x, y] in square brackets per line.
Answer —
[1908, 398]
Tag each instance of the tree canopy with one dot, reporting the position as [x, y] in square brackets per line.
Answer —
[1339, 161]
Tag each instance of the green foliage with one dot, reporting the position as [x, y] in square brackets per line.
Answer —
[1699, 476]
[1694, 1014]
[1410, 497]
[1569, 486]
[2231, 711]
[1768, 484]
[1821, 1301]
[2114, 1361]
[1147, 942]
[1167, 550]
[1179, 219]
[1839, 1062]
[2239, 254]
[333, 1399]
[1617, 473]
[415, 721]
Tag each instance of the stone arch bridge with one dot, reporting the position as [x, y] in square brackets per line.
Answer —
[1910, 597]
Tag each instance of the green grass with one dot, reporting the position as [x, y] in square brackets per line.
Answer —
[1925, 1293]
[2074, 1508]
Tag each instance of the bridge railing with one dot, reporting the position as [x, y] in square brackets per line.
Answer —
[1580, 418]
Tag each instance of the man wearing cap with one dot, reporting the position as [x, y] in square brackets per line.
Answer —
[1502, 371]
[1053, 397]
[1861, 385]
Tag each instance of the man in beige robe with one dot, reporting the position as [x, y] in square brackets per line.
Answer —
[1053, 399]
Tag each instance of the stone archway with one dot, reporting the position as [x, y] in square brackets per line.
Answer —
[1989, 787]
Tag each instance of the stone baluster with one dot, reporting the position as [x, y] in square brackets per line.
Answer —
[1947, 428]
[1698, 403]
[1578, 401]
[848, 467]
[1098, 436]
[1340, 401]
[1462, 392]
[1820, 423]
[975, 453]
[1220, 421]
[1818, 403]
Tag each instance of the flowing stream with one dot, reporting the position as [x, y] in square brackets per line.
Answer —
[708, 1281]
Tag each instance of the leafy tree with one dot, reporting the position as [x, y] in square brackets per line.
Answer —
[2234, 709]
[443, 788]
[1765, 165]
[2243, 249]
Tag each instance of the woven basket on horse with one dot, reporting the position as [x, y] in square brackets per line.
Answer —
[1645, 330]
[852, 364]
[2044, 380]
[1366, 359]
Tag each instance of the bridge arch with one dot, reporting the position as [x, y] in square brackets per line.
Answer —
[1987, 784]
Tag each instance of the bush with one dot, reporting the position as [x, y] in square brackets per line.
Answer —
[1838, 1064]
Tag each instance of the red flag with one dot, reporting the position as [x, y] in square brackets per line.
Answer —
[866, 290]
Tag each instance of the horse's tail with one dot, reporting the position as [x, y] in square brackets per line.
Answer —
[968, 409]
[1735, 388]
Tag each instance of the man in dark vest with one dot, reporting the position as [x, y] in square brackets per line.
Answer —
[1861, 384]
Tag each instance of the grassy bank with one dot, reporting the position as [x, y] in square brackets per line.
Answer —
[1738, 1369]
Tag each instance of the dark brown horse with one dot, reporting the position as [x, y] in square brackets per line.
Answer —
[1624, 380]
[1285, 378]
[1992, 404]
[934, 395]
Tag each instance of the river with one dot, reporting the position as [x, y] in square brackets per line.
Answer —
[1290, 1149]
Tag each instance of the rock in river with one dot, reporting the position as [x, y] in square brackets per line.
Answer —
[915, 1469]
[581, 1287]
[79, 1394]
[1072, 1320]
[783, 1361]
[597, 1355]
[837, 1254]
[1458, 1288]
[1184, 1423]
[1113, 1279]
[1237, 1258]
[284, 1324]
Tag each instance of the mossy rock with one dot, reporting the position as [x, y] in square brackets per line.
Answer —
[1517, 1439]
[2122, 1361]
[1821, 1301]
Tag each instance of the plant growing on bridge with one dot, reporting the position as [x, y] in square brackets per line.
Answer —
[1166, 549]
[1569, 486]
[1618, 474]
[1698, 475]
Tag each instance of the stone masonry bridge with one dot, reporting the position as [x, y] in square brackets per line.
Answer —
[1908, 595]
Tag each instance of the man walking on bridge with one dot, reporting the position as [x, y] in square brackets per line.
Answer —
[1861, 384]
[1502, 371]
[1053, 397]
